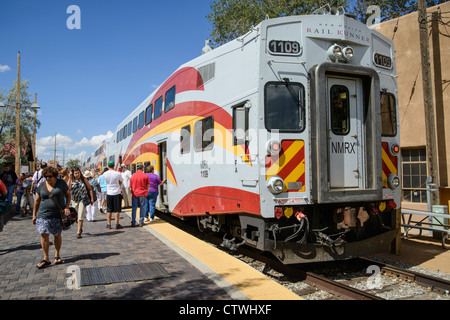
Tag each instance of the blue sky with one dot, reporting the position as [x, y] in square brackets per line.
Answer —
[89, 79]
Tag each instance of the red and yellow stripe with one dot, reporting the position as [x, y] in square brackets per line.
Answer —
[390, 163]
[289, 164]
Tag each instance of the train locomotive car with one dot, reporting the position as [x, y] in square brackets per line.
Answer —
[285, 139]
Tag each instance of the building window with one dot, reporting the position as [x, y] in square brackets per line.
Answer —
[414, 169]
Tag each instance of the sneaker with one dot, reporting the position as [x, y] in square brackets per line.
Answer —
[133, 224]
[108, 226]
[146, 220]
[141, 224]
[118, 226]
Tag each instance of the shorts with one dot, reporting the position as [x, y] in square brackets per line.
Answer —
[114, 203]
[49, 226]
[27, 199]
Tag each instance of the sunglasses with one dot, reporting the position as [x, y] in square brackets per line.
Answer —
[48, 177]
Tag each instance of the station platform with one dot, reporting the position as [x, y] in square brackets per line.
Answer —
[194, 270]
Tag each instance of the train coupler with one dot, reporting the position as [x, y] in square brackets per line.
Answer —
[231, 244]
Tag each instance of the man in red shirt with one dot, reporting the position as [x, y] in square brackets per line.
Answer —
[139, 185]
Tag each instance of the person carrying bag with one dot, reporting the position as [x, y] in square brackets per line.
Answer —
[51, 196]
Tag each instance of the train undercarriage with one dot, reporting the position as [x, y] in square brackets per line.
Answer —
[311, 233]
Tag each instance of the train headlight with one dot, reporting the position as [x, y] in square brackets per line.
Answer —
[335, 52]
[276, 184]
[393, 181]
[273, 147]
[348, 53]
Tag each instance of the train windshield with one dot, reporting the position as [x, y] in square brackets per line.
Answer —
[284, 107]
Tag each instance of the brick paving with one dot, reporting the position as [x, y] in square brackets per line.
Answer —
[20, 252]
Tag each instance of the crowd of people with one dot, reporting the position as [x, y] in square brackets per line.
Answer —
[49, 191]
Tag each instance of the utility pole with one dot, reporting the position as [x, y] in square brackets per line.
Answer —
[17, 147]
[439, 100]
[428, 99]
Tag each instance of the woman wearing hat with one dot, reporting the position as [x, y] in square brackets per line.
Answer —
[82, 195]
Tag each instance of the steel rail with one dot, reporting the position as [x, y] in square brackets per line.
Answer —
[436, 284]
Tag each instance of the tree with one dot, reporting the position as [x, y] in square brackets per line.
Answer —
[8, 123]
[233, 18]
[73, 163]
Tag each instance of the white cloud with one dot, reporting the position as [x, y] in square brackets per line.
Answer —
[95, 141]
[45, 146]
[49, 142]
[4, 68]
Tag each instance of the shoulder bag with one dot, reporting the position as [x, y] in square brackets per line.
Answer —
[67, 221]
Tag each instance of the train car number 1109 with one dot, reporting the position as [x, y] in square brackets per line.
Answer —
[284, 47]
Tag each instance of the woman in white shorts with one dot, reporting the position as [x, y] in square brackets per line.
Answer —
[82, 196]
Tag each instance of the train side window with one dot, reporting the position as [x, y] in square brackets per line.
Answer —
[135, 122]
[124, 132]
[240, 124]
[340, 113]
[118, 137]
[185, 139]
[170, 99]
[204, 134]
[141, 120]
[388, 115]
[146, 164]
[285, 106]
[148, 114]
[158, 108]
[129, 128]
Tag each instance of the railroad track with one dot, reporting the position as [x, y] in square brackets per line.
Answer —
[338, 289]
[435, 284]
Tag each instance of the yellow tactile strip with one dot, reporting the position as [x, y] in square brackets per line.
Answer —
[249, 281]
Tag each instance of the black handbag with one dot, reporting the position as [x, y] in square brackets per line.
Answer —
[67, 221]
[5, 207]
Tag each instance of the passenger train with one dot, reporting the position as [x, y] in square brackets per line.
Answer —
[285, 139]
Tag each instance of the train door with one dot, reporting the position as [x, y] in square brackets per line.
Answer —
[162, 147]
[345, 133]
